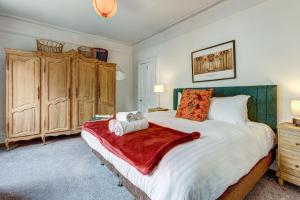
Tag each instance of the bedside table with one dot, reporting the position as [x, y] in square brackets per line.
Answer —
[288, 154]
[157, 109]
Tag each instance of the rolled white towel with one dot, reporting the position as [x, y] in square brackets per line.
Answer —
[111, 125]
[122, 127]
[134, 116]
[122, 116]
[138, 116]
[129, 116]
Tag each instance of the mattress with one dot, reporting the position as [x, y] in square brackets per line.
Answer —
[201, 169]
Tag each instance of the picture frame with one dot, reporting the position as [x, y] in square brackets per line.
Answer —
[214, 63]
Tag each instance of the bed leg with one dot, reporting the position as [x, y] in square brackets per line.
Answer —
[120, 183]
[102, 163]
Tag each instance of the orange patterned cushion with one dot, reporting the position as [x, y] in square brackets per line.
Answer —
[194, 104]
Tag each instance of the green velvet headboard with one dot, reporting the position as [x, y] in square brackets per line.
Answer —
[262, 106]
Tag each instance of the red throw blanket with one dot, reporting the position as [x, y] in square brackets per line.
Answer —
[141, 149]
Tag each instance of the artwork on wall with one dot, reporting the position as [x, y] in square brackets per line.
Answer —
[214, 63]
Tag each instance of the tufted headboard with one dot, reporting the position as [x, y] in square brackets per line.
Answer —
[262, 106]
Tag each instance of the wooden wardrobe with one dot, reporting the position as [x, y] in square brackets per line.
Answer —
[54, 94]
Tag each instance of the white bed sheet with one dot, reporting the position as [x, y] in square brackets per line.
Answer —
[201, 169]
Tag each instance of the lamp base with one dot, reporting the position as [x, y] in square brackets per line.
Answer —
[296, 121]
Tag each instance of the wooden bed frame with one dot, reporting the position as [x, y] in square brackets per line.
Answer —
[262, 107]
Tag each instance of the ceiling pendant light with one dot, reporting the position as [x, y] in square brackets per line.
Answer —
[105, 8]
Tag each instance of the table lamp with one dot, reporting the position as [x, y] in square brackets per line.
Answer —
[295, 107]
[158, 89]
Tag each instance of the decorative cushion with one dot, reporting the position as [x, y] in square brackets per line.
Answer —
[194, 104]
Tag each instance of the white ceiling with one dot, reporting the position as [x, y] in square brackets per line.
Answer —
[135, 20]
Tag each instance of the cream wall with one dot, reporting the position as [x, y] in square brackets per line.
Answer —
[20, 34]
[267, 35]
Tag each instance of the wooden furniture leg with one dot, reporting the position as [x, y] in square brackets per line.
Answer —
[280, 181]
[43, 139]
[7, 145]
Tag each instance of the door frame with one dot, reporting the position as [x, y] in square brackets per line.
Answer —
[150, 60]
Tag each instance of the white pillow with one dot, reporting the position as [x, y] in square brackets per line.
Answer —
[179, 99]
[229, 109]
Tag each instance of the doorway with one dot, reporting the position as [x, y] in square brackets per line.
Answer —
[146, 82]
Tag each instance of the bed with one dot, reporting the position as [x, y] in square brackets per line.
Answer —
[225, 163]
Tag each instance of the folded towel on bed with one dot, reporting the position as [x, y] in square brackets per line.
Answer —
[134, 116]
[121, 127]
[129, 116]
[122, 116]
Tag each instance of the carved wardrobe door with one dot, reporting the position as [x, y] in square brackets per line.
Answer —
[56, 99]
[107, 89]
[22, 96]
[84, 87]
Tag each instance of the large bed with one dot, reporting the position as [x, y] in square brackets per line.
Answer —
[224, 163]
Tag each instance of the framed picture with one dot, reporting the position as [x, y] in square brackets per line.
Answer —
[214, 63]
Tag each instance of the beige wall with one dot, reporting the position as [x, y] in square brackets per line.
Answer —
[267, 49]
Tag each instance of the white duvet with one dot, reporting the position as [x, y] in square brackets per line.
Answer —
[203, 168]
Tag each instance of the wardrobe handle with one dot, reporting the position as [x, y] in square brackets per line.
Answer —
[38, 93]
[77, 92]
[69, 93]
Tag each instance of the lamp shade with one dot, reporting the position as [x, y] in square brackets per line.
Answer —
[159, 88]
[105, 8]
[120, 75]
[295, 107]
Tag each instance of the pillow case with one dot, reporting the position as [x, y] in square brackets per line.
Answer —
[194, 104]
[179, 99]
[230, 109]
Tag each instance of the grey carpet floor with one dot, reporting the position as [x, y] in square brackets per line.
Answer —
[66, 169]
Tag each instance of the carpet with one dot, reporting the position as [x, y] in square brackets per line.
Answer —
[268, 189]
[66, 169]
